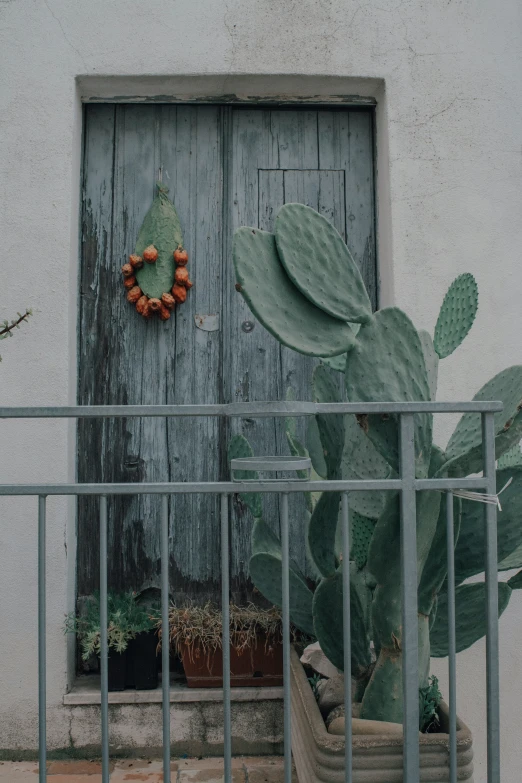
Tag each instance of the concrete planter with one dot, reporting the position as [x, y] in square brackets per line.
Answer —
[319, 756]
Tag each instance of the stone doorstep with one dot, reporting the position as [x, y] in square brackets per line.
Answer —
[86, 690]
[263, 769]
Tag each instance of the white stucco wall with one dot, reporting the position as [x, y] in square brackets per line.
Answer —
[447, 77]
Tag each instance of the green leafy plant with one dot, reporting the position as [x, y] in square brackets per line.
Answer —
[7, 327]
[430, 698]
[126, 618]
[303, 285]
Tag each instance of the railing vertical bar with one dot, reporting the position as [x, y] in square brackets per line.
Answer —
[345, 520]
[285, 562]
[452, 646]
[104, 647]
[225, 615]
[410, 645]
[42, 663]
[165, 636]
[492, 643]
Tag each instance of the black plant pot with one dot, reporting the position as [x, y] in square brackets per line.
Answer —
[117, 670]
[143, 662]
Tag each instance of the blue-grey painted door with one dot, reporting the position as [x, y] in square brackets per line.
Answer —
[225, 167]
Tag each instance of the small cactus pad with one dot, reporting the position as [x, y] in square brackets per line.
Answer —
[266, 573]
[361, 460]
[470, 617]
[387, 365]
[278, 304]
[237, 448]
[470, 552]
[317, 260]
[464, 451]
[328, 612]
[161, 227]
[456, 315]
[431, 361]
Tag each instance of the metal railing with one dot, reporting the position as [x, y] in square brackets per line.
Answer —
[407, 485]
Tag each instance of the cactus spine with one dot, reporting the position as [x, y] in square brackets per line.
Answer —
[384, 358]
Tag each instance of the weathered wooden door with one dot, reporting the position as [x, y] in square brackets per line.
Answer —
[225, 167]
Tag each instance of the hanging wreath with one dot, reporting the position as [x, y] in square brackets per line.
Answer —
[156, 276]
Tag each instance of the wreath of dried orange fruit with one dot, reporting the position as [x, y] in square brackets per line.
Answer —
[162, 282]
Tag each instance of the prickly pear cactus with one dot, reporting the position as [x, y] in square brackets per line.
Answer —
[383, 358]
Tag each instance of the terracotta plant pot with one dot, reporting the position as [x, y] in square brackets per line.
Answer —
[377, 758]
[259, 666]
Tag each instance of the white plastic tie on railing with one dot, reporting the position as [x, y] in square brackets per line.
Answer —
[482, 497]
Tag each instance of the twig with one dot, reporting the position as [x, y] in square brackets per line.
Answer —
[8, 327]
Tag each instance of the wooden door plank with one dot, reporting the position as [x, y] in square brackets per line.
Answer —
[96, 252]
[346, 142]
[192, 158]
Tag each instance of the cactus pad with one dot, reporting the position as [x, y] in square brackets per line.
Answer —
[470, 552]
[161, 227]
[237, 448]
[321, 533]
[511, 458]
[319, 263]
[456, 315]
[266, 573]
[361, 460]
[431, 361]
[464, 450]
[328, 613]
[337, 363]
[470, 617]
[325, 388]
[315, 447]
[436, 567]
[278, 304]
[386, 365]
[361, 531]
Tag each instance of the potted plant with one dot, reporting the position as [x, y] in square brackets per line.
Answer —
[304, 287]
[256, 653]
[132, 660]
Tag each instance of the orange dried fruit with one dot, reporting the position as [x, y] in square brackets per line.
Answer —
[181, 275]
[179, 293]
[180, 256]
[134, 294]
[129, 282]
[142, 306]
[150, 254]
[169, 301]
[127, 270]
[164, 312]
[154, 305]
[136, 261]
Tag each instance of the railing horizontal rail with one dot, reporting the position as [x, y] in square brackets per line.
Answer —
[247, 409]
[218, 487]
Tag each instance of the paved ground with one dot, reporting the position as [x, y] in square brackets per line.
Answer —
[244, 770]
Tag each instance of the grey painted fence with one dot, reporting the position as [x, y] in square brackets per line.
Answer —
[406, 484]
